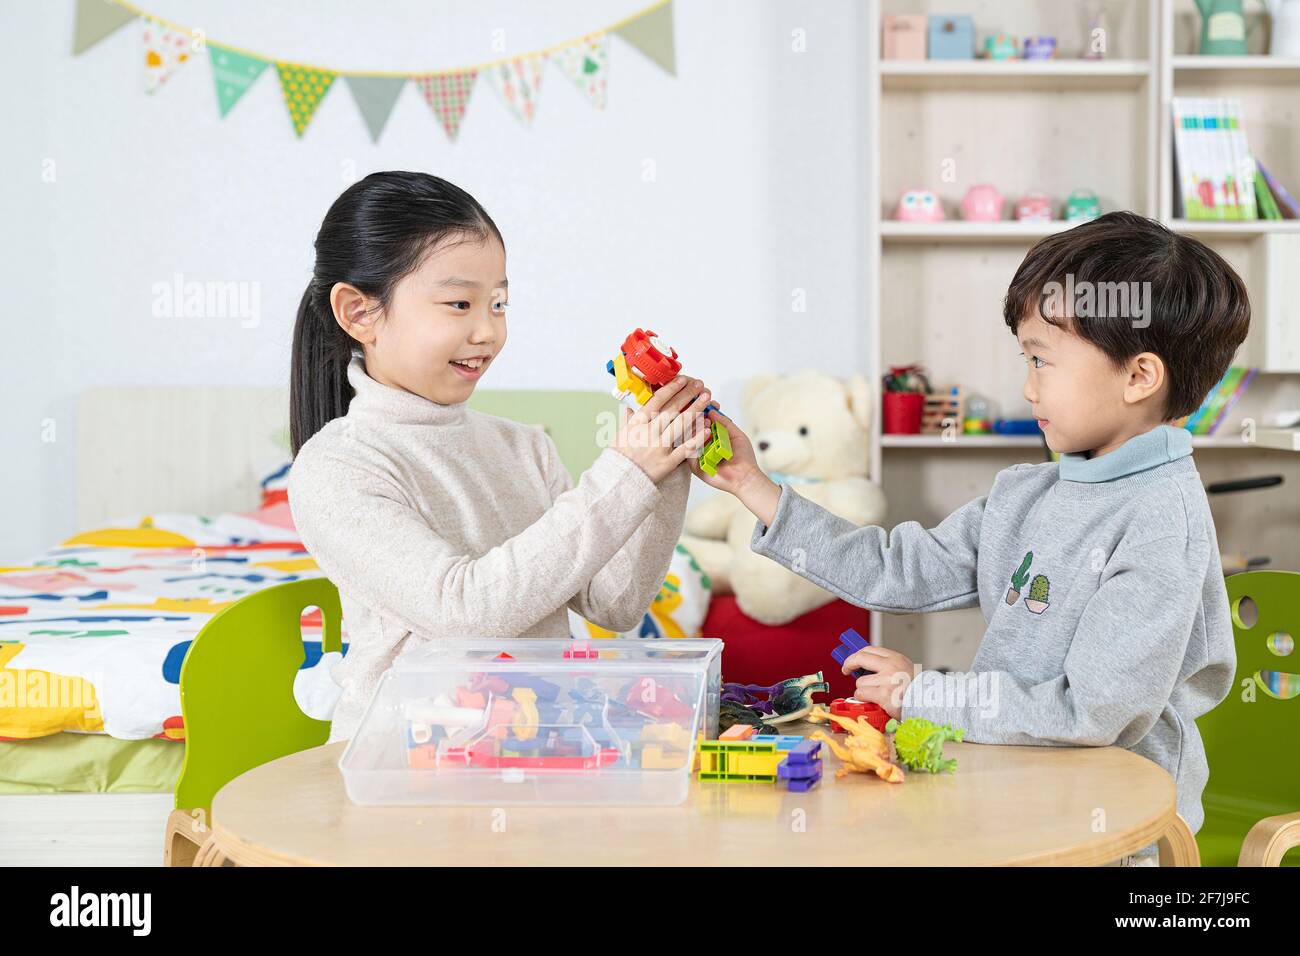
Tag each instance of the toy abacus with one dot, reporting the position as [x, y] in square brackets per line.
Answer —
[643, 365]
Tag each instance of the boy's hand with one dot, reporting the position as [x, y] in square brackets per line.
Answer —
[740, 475]
[889, 673]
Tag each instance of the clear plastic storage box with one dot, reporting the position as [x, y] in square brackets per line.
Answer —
[536, 721]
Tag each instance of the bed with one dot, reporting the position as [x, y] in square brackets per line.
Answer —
[183, 511]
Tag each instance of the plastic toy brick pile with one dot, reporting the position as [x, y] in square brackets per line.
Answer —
[521, 720]
[743, 754]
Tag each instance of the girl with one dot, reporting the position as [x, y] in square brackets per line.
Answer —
[432, 520]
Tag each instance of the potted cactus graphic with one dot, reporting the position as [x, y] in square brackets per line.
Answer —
[1019, 578]
[1037, 600]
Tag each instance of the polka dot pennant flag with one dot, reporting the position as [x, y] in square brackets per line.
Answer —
[304, 87]
[165, 50]
[233, 73]
[587, 65]
[518, 82]
[447, 95]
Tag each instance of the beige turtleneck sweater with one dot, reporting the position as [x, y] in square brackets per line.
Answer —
[436, 521]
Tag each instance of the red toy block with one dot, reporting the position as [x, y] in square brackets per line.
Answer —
[581, 652]
[644, 355]
[853, 709]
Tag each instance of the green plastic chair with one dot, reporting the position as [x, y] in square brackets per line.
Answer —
[237, 700]
[1252, 799]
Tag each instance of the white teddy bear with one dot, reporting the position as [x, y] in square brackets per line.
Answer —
[810, 431]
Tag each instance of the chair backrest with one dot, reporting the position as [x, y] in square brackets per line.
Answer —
[574, 420]
[237, 687]
[1251, 737]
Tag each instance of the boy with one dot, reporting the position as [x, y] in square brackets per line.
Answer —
[1098, 576]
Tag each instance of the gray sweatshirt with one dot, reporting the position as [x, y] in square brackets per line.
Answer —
[437, 521]
[1101, 588]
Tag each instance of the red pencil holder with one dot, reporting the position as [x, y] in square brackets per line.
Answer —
[902, 412]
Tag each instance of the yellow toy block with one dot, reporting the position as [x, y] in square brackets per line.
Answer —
[626, 381]
[655, 757]
[762, 764]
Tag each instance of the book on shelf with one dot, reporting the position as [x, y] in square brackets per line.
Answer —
[1214, 169]
[1287, 207]
[1206, 419]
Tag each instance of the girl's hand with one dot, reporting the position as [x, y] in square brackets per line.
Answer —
[667, 429]
[889, 674]
[740, 475]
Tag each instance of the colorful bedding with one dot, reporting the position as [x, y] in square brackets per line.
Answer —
[93, 632]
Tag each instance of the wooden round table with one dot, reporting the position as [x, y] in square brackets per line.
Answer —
[1004, 805]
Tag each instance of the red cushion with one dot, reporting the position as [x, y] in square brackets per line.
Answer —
[760, 654]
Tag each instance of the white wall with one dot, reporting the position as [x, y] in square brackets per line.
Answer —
[759, 153]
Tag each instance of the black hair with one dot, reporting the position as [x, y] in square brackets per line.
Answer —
[1197, 313]
[377, 231]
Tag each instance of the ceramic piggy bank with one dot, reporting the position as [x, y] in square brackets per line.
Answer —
[919, 205]
[982, 203]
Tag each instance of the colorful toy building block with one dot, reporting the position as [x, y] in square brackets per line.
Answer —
[850, 641]
[737, 732]
[674, 735]
[501, 714]
[802, 767]
[655, 361]
[658, 757]
[625, 383]
[469, 698]
[651, 699]
[734, 760]
[716, 450]
[782, 741]
[580, 652]
[851, 709]
[524, 726]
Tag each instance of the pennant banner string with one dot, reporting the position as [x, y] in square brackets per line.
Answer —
[472, 68]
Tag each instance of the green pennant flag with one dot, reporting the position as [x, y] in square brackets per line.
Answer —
[304, 87]
[232, 74]
[375, 96]
[652, 34]
[96, 19]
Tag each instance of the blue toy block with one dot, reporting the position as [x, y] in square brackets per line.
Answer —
[544, 689]
[800, 771]
[951, 38]
[782, 741]
[850, 641]
[806, 753]
[803, 786]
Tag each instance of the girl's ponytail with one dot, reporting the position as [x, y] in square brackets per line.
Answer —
[378, 231]
[318, 386]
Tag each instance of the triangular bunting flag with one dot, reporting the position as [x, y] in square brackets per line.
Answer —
[304, 87]
[96, 19]
[587, 65]
[375, 96]
[165, 50]
[518, 82]
[652, 34]
[232, 73]
[448, 94]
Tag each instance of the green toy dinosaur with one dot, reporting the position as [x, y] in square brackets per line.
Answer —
[919, 744]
